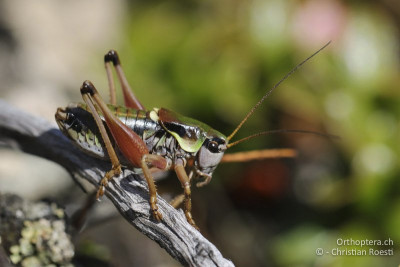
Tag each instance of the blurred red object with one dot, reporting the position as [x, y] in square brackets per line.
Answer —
[268, 179]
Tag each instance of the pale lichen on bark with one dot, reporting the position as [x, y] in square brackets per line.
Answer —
[34, 233]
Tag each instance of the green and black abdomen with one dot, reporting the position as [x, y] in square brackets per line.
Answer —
[79, 125]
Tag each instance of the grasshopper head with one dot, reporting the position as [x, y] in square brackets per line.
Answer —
[195, 137]
[210, 154]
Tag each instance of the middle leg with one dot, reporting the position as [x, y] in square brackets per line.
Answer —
[160, 163]
[185, 182]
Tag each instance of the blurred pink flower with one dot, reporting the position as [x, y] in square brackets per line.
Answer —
[317, 22]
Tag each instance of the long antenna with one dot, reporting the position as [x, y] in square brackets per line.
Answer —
[282, 131]
[271, 90]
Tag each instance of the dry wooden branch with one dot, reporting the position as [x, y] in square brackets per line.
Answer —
[129, 192]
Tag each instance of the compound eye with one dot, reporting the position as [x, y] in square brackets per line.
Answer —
[213, 147]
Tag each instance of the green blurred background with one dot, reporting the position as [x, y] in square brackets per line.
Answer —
[213, 60]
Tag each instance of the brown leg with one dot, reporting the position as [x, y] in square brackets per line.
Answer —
[129, 143]
[111, 84]
[206, 180]
[115, 171]
[158, 161]
[79, 217]
[116, 166]
[130, 99]
[176, 201]
[185, 182]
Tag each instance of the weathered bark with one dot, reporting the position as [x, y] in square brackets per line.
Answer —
[129, 192]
